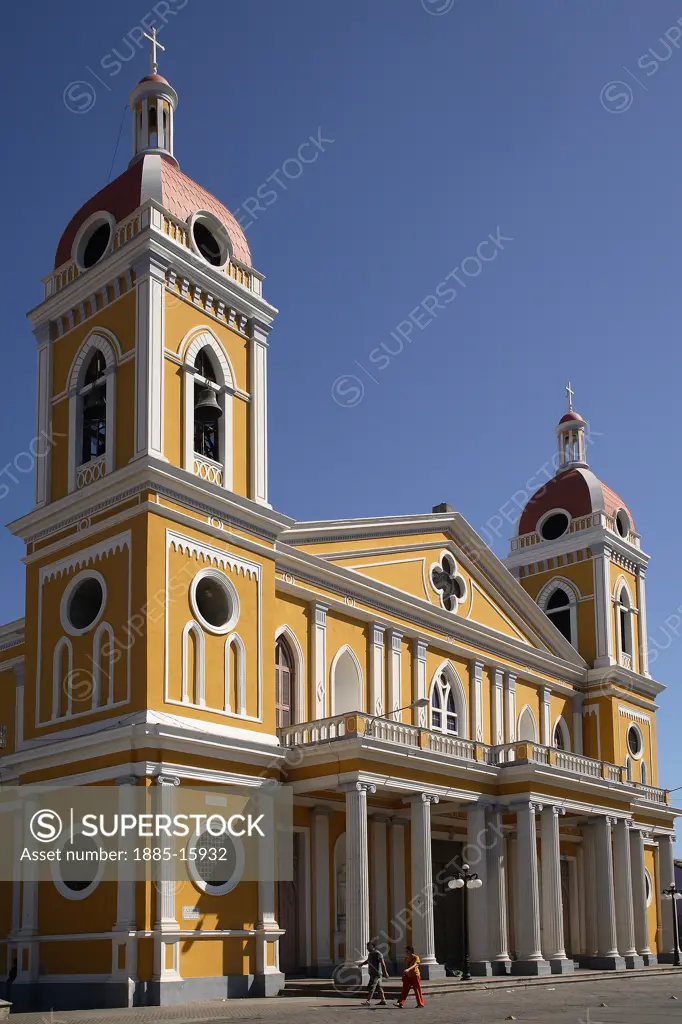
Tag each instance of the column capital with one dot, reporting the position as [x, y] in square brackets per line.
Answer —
[420, 646]
[421, 798]
[510, 678]
[545, 693]
[526, 805]
[662, 837]
[320, 613]
[556, 809]
[476, 666]
[167, 780]
[357, 787]
[378, 634]
[322, 812]
[127, 780]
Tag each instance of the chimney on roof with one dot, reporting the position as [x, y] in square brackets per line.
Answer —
[443, 507]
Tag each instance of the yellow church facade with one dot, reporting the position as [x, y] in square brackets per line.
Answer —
[426, 704]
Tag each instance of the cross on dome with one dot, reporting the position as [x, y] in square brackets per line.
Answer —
[569, 395]
[155, 46]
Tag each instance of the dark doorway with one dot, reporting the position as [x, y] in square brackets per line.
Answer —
[447, 904]
[289, 900]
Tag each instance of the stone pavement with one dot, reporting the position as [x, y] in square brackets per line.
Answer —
[628, 999]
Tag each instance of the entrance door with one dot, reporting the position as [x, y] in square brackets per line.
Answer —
[447, 904]
[289, 896]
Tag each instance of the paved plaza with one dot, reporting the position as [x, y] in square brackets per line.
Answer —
[628, 999]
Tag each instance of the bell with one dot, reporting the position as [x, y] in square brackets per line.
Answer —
[207, 409]
[95, 406]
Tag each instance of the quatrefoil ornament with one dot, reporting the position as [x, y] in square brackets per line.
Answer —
[448, 583]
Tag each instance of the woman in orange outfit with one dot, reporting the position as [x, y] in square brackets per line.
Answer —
[411, 978]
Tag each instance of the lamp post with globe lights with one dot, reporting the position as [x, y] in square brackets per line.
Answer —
[465, 879]
[674, 894]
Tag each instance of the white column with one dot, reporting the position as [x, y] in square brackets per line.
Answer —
[552, 903]
[125, 893]
[625, 921]
[666, 867]
[269, 979]
[165, 881]
[476, 700]
[602, 605]
[639, 897]
[475, 855]
[641, 607]
[258, 351]
[376, 667]
[589, 893]
[497, 708]
[322, 955]
[527, 903]
[545, 717]
[318, 657]
[419, 680]
[150, 277]
[423, 938]
[509, 708]
[44, 431]
[578, 723]
[379, 879]
[357, 878]
[399, 911]
[497, 893]
[608, 957]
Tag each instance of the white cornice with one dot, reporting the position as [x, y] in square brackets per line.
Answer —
[593, 537]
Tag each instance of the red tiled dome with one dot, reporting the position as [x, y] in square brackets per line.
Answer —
[570, 417]
[154, 177]
[578, 491]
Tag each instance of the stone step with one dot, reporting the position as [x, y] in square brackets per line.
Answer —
[4, 1009]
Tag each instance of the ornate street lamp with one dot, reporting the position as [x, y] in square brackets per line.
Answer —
[674, 894]
[465, 879]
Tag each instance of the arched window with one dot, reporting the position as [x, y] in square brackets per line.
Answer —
[643, 774]
[561, 737]
[93, 409]
[444, 716]
[346, 683]
[284, 683]
[624, 615]
[628, 768]
[558, 610]
[207, 409]
[528, 730]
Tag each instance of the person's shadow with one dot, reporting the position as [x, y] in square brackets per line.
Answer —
[11, 978]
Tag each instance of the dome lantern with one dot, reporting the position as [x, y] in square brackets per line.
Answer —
[153, 102]
[571, 436]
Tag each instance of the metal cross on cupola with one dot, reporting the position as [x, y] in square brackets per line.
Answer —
[569, 395]
[155, 46]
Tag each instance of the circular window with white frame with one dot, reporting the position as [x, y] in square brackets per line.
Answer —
[83, 602]
[94, 240]
[554, 524]
[214, 601]
[623, 525]
[209, 238]
[635, 740]
[215, 863]
[79, 870]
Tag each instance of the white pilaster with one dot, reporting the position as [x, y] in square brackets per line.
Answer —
[497, 893]
[318, 655]
[545, 717]
[125, 892]
[552, 904]
[608, 957]
[639, 897]
[379, 878]
[476, 700]
[475, 854]
[419, 680]
[322, 956]
[399, 911]
[602, 605]
[165, 875]
[625, 922]
[497, 708]
[357, 878]
[150, 277]
[44, 423]
[376, 667]
[641, 608]
[258, 350]
[527, 905]
[578, 723]
[509, 707]
[666, 868]
[423, 937]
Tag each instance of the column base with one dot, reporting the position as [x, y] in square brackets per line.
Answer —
[501, 967]
[562, 965]
[633, 961]
[481, 968]
[433, 972]
[649, 959]
[606, 963]
[536, 968]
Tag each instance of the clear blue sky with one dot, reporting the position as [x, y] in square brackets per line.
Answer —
[446, 127]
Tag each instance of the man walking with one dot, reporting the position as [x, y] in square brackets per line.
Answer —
[377, 970]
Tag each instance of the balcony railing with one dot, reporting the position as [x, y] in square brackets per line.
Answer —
[599, 519]
[401, 734]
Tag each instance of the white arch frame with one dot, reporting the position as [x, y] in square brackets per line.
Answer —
[620, 586]
[104, 629]
[527, 709]
[57, 682]
[643, 773]
[562, 724]
[298, 710]
[240, 682]
[346, 649]
[196, 339]
[447, 669]
[574, 596]
[109, 346]
[198, 683]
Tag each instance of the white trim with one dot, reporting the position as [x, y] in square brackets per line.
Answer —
[104, 628]
[223, 581]
[149, 359]
[547, 515]
[104, 341]
[234, 879]
[454, 682]
[197, 684]
[455, 574]
[193, 342]
[85, 232]
[218, 230]
[61, 886]
[640, 753]
[57, 679]
[240, 682]
[67, 625]
[258, 386]
[288, 634]
[562, 724]
[346, 649]
[574, 596]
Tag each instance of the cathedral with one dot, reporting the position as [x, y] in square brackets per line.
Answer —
[426, 704]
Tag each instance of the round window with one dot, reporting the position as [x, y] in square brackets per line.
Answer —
[554, 526]
[83, 603]
[210, 239]
[214, 601]
[78, 872]
[94, 240]
[622, 522]
[216, 863]
[634, 741]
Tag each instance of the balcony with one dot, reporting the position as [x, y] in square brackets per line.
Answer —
[595, 519]
[400, 735]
